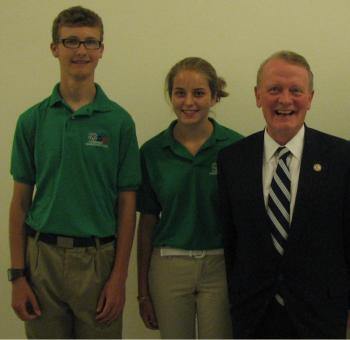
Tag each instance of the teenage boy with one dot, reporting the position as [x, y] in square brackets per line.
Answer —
[76, 169]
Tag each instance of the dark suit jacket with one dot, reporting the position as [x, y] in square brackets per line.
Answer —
[313, 274]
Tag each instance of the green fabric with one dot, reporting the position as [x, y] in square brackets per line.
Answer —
[78, 161]
[182, 189]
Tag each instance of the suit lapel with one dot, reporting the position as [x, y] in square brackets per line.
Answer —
[256, 184]
[313, 169]
[308, 184]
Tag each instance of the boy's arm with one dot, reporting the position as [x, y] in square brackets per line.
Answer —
[24, 302]
[112, 298]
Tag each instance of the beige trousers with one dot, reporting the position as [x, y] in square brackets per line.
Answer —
[185, 289]
[67, 283]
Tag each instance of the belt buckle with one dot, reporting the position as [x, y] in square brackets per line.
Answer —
[65, 242]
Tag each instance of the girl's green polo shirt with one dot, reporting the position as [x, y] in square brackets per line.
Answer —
[182, 189]
[78, 161]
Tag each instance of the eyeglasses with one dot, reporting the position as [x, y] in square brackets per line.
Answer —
[73, 43]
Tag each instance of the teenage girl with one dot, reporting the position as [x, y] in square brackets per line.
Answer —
[181, 267]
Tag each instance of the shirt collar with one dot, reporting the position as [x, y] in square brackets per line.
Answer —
[55, 96]
[295, 145]
[219, 133]
[101, 102]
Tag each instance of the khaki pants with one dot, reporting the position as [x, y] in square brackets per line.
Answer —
[184, 289]
[67, 283]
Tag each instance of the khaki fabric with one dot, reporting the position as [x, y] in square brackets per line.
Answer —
[184, 289]
[67, 283]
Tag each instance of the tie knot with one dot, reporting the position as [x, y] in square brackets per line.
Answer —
[283, 152]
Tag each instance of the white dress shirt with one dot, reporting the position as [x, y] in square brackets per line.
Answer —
[295, 146]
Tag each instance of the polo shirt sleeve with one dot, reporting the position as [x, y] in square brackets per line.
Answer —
[129, 174]
[22, 157]
[147, 202]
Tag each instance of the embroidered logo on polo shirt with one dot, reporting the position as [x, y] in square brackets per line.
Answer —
[98, 139]
[214, 169]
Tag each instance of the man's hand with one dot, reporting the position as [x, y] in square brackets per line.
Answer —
[24, 302]
[111, 302]
[147, 314]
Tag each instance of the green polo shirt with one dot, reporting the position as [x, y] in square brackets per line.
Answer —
[182, 189]
[78, 162]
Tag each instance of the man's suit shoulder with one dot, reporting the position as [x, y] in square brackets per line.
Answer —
[315, 141]
[328, 142]
[254, 140]
[324, 136]
[247, 144]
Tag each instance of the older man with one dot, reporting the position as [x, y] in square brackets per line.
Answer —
[285, 193]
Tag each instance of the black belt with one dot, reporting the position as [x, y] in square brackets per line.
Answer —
[66, 241]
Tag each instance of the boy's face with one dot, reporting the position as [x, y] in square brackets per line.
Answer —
[78, 63]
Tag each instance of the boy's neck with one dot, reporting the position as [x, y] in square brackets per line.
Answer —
[77, 93]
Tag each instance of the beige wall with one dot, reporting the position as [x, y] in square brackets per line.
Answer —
[143, 40]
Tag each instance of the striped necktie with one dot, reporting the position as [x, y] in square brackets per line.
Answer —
[278, 204]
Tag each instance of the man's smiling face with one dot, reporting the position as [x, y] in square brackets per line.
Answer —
[285, 96]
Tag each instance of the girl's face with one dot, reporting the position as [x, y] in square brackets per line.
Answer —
[191, 97]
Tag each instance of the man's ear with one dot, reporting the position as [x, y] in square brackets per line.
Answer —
[257, 96]
[311, 96]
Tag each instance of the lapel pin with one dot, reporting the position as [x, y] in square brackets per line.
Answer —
[317, 167]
